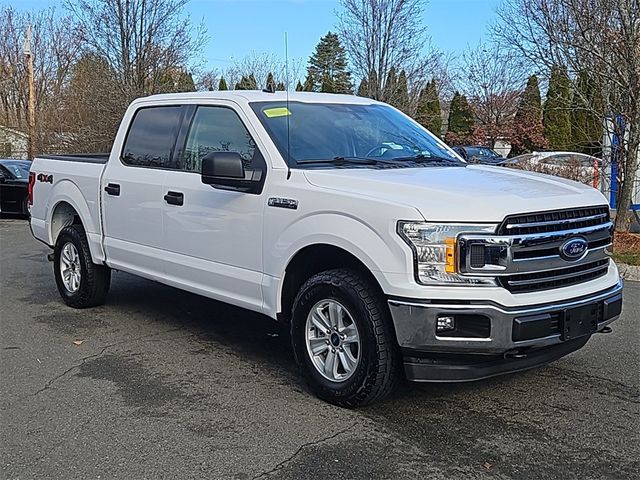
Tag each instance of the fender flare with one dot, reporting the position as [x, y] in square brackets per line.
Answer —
[67, 192]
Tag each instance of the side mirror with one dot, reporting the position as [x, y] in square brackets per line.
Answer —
[221, 165]
[225, 170]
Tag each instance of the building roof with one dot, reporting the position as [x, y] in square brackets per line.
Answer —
[13, 131]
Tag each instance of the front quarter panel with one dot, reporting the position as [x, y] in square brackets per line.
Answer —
[362, 226]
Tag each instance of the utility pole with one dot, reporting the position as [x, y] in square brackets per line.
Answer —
[31, 105]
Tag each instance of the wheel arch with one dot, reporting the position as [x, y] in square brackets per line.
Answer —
[312, 259]
[62, 215]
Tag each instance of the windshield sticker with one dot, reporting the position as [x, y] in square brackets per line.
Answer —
[277, 112]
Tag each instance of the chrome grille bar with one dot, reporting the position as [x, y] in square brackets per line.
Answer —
[526, 255]
[557, 222]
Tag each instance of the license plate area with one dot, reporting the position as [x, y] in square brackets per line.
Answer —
[580, 321]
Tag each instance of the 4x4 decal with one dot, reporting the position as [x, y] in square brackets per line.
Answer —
[44, 178]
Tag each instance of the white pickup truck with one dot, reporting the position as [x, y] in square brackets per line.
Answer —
[340, 216]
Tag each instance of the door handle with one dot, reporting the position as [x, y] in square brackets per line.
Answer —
[174, 198]
[112, 189]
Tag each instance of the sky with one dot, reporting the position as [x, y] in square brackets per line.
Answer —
[239, 27]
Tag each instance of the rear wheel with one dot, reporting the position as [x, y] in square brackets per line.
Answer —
[81, 282]
[25, 207]
[343, 339]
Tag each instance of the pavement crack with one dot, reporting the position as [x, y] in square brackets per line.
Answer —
[49, 383]
[143, 338]
[282, 464]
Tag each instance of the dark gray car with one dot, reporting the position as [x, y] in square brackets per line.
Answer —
[14, 186]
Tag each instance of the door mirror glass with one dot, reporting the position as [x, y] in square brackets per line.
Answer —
[221, 165]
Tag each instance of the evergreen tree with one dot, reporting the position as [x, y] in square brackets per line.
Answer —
[429, 112]
[528, 131]
[363, 88]
[461, 120]
[308, 84]
[270, 83]
[402, 93]
[328, 66]
[247, 83]
[175, 80]
[586, 113]
[280, 87]
[556, 117]
[299, 87]
[372, 83]
[390, 89]
[222, 85]
[327, 85]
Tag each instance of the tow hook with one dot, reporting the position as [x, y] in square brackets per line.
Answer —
[605, 330]
[50, 257]
[515, 354]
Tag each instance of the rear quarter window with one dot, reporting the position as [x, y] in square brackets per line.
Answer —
[151, 138]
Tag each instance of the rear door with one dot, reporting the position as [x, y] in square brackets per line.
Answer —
[213, 238]
[132, 191]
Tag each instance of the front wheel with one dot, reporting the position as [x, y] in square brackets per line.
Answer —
[81, 282]
[343, 339]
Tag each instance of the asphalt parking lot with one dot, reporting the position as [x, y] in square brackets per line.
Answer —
[164, 384]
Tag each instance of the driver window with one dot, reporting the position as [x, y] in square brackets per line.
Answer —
[217, 129]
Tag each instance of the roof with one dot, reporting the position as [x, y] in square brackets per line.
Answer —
[260, 96]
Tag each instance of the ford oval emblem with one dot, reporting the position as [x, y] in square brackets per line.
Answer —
[574, 249]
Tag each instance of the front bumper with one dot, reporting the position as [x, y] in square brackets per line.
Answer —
[500, 339]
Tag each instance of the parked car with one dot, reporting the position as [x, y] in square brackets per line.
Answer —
[344, 219]
[14, 181]
[478, 154]
[571, 165]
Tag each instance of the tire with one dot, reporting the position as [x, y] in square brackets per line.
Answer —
[358, 302]
[93, 280]
[25, 207]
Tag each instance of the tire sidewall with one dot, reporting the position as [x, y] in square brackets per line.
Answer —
[311, 293]
[71, 235]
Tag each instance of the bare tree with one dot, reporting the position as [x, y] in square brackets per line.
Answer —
[55, 47]
[492, 79]
[383, 34]
[260, 65]
[601, 37]
[141, 40]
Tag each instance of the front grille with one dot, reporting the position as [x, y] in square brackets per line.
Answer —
[554, 221]
[563, 277]
[528, 252]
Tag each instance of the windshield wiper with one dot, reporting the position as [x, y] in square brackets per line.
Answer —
[422, 158]
[346, 161]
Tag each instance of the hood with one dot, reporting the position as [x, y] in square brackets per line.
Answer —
[474, 193]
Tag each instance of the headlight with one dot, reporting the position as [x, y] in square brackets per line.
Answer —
[435, 248]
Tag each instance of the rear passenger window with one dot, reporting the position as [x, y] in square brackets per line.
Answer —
[218, 129]
[152, 136]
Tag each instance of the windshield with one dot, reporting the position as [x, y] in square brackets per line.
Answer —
[322, 133]
[18, 169]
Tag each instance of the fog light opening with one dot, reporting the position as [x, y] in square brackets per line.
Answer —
[445, 323]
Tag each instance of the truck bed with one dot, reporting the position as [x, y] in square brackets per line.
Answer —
[72, 180]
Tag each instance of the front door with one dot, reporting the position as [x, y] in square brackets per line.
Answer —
[212, 237]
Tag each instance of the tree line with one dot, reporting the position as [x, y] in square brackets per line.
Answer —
[95, 56]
